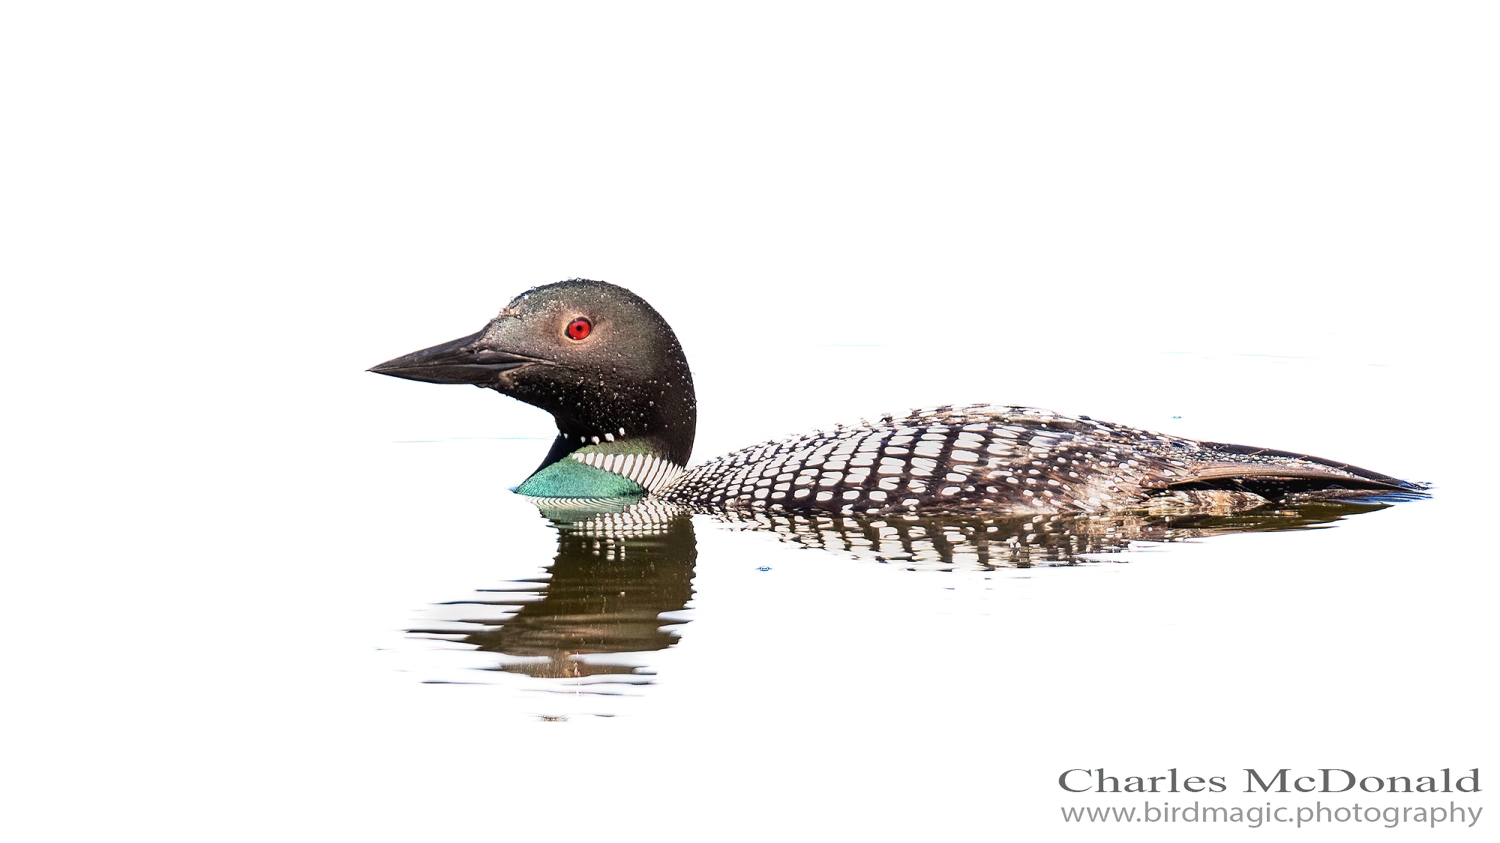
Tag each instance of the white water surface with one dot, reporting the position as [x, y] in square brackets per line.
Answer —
[1271, 227]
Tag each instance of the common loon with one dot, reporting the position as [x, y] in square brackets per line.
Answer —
[611, 372]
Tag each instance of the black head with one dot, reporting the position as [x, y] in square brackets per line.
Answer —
[596, 356]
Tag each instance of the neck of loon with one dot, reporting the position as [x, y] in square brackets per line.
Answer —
[616, 437]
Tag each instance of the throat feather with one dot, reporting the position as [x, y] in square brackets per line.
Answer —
[639, 466]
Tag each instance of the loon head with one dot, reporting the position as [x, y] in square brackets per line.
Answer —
[605, 365]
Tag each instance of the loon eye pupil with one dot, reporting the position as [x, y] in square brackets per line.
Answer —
[579, 328]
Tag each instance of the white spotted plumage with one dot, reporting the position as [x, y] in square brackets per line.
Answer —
[986, 459]
[648, 471]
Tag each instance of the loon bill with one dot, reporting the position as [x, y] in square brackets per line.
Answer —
[608, 368]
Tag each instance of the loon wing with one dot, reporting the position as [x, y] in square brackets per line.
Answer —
[1278, 475]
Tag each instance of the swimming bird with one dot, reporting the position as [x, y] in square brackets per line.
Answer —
[614, 377]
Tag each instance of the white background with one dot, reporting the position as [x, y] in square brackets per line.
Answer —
[1269, 223]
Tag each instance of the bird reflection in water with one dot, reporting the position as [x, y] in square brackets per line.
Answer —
[620, 586]
[617, 578]
[975, 542]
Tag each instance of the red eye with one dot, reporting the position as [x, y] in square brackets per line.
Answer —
[579, 328]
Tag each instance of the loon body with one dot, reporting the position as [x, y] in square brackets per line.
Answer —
[611, 372]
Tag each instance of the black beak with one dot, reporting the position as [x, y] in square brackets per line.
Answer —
[464, 360]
